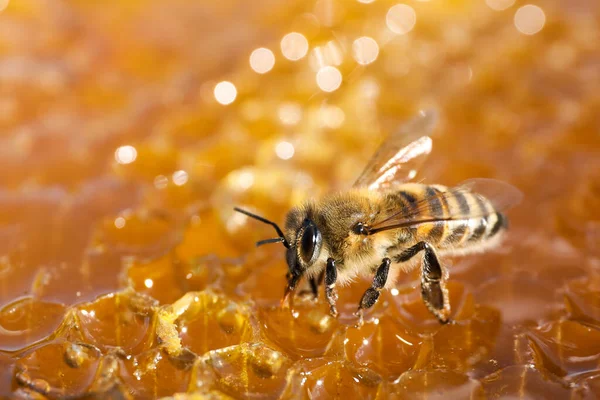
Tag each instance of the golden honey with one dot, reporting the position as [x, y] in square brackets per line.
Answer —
[129, 130]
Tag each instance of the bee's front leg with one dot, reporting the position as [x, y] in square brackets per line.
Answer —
[371, 295]
[330, 292]
[289, 289]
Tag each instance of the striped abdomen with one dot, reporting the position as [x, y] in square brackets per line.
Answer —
[454, 220]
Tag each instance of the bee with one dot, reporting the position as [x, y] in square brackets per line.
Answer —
[385, 224]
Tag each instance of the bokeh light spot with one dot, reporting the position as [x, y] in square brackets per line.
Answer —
[262, 60]
[365, 50]
[125, 154]
[225, 92]
[329, 79]
[119, 222]
[161, 182]
[3, 4]
[294, 46]
[289, 113]
[530, 19]
[284, 150]
[401, 19]
[180, 177]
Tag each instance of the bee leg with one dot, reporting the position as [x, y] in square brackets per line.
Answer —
[330, 292]
[313, 291]
[371, 295]
[289, 289]
[315, 283]
[433, 287]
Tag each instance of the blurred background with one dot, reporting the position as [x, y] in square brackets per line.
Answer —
[130, 129]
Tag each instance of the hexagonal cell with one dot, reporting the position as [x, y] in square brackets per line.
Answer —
[385, 346]
[565, 348]
[59, 369]
[435, 385]
[265, 286]
[305, 331]
[157, 278]
[331, 378]
[154, 373]
[27, 321]
[211, 321]
[582, 300]
[123, 320]
[462, 346]
[407, 304]
[524, 381]
[247, 371]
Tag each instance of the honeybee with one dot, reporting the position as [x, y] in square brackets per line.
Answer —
[381, 226]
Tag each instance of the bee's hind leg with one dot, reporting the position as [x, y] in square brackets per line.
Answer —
[433, 286]
[371, 295]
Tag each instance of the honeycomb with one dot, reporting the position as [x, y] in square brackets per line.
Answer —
[130, 129]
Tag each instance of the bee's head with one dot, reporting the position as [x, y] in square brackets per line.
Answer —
[303, 241]
[305, 246]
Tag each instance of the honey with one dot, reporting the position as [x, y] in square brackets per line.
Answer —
[129, 131]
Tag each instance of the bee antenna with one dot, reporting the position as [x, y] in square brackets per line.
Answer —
[281, 237]
[267, 241]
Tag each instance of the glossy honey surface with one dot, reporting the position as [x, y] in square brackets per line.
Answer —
[130, 129]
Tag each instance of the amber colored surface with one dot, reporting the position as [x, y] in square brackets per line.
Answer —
[124, 272]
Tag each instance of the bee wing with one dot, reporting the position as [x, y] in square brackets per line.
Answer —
[401, 154]
[501, 195]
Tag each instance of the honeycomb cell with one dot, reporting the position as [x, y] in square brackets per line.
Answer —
[304, 331]
[462, 346]
[330, 378]
[154, 373]
[385, 346]
[408, 305]
[59, 369]
[266, 285]
[565, 348]
[212, 322]
[523, 381]
[160, 278]
[249, 370]
[27, 321]
[118, 320]
[435, 385]
[582, 301]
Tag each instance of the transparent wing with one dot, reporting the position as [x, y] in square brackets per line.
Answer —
[500, 195]
[401, 155]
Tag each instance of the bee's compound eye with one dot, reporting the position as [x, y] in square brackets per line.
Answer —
[309, 243]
